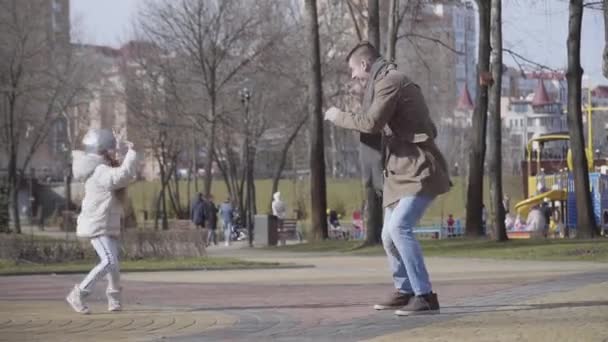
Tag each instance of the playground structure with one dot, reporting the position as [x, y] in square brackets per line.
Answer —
[549, 184]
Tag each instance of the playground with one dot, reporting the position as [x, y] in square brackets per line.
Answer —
[548, 184]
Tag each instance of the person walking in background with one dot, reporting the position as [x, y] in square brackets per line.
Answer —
[226, 213]
[415, 171]
[279, 209]
[105, 182]
[451, 223]
[197, 214]
[506, 203]
[210, 211]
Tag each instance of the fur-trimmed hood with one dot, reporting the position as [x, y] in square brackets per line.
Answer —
[84, 164]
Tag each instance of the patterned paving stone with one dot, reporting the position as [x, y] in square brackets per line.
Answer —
[32, 309]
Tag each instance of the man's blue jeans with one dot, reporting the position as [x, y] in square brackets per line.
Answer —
[402, 248]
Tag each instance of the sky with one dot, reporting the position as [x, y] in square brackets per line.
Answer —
[536, 29]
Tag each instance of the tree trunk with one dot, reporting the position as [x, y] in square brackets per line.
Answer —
[210, 149]
[195, 162]
[334, 151]
[251, 180]
[495, 142]
[393, 29]
[188, 192]
[163, 203]
[158, 210]
[586, 227]
[370, 150]
[163, 185]
[373, 27]
[317, 159]
[371, 171]
[476, 157]
[605, 55]
[283, 160]
[13, 183]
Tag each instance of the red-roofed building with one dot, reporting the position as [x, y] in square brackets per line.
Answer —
[464, 101]
[541, 98]
[463, 114]
[600, 92]
[599, 96]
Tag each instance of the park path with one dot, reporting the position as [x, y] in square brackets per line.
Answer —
[482, 300]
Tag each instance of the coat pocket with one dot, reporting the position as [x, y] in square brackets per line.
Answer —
[409, 161]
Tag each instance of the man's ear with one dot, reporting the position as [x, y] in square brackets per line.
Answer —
[364, 65]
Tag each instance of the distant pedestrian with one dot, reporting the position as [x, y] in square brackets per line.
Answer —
[506, 203]
[279, 209]
[197, 214]
[450, 223]
[211, 220]
[226, 213]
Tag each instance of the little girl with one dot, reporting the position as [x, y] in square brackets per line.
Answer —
[99, 220]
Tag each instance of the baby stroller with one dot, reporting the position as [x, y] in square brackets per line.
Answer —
[238, 232]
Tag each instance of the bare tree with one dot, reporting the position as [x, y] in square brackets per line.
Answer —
[39, 79]
[586, 225]
[318, 195]
[495, 126]
[154, 98]
[476, 158]
[217, 40]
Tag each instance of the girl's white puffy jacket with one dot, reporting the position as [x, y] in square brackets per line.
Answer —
[101, 208]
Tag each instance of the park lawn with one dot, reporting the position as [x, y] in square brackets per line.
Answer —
[553, 250]
[8, 267]
[344, 194]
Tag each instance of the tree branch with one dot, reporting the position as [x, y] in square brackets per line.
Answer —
[434, 40]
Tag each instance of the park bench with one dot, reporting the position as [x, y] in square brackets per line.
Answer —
[429, 232]
[289, 230]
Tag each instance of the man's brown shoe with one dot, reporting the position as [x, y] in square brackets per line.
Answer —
[420, 305]
[396, 300]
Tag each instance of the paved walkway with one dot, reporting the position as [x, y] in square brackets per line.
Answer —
[481, 300]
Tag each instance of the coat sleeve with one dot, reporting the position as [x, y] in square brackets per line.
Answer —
[379, 113]
[119, 177]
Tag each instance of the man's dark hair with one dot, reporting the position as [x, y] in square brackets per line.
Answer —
[364, 50]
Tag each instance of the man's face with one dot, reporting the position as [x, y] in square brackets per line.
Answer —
[359, 69]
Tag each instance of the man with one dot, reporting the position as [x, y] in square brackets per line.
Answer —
[226, 211]
[414, 169]
[211, 220]
[197, 214]
[506, 203]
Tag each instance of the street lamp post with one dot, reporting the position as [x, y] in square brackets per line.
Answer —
[245, 95]
[163, 176]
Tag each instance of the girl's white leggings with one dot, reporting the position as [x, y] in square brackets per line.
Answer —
[107, 249]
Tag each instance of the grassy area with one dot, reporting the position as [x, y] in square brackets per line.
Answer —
[555, 250]
[8, 267]
[341, 193]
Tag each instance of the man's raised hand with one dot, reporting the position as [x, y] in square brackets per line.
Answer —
[332, 114]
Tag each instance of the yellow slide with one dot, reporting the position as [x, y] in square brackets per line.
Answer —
[523, 208]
